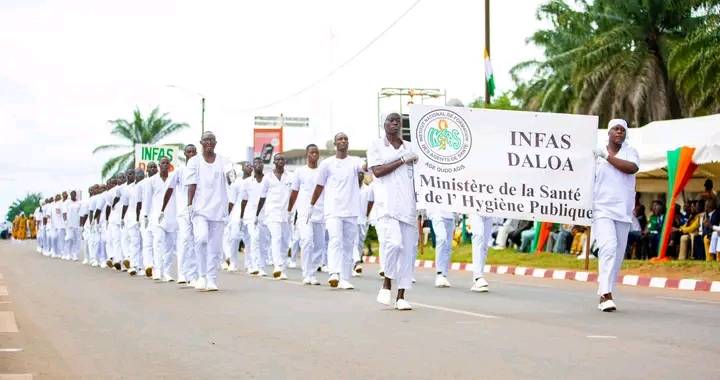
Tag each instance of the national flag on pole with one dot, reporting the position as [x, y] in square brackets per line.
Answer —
[489, 77]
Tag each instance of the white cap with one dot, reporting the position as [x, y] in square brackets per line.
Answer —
[616, 122]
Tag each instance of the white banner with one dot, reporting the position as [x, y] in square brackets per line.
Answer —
[145, 153]
[508, 164]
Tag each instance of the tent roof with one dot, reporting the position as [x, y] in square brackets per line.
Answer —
[654, 140]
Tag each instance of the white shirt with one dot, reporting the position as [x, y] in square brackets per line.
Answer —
[251, 193]
[235, 197]
[211, 199]
[73, 213]
[84, 205]
[56, 215]
[276, 192]
[129, 199]
[394, 192]
[155, 196]
[304, 183]
[340, 180]
[177, 183]
[142, 192]
[38, 215]
[116, 209]
[613, 190]
[366, 196]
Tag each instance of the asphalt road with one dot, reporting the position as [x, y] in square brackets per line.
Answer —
[74, 321]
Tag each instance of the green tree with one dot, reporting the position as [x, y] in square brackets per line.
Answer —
[503, 102]
[28, 204]
[614, 59]
[138, 130]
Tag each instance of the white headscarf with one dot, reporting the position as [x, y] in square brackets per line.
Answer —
[619, 122]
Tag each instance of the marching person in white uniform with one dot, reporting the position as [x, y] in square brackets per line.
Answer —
[125, 238]
[146, 233]
[274, 198]
[176, 188]
[58, 228]
[367, 200]
[164, 223]
[131, 204]
[614, 200]
[112, 230]
[235, 230]
[207, 206]
[310, 222]
[72, 227]
[47, 215]
[443, 223]
[40, 238]
[391, 161]
[254, 219]
[337, 178]
[85, 225]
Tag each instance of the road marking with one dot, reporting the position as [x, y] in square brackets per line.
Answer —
[17, 376]
[601, 337]
[688, 300]
[3, 291]
[456, 311]
[7, 322]
[10, 349]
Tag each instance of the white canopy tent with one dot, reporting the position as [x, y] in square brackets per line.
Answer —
[654, 140]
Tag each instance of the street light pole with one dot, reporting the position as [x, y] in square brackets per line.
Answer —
[202, 120]
[202, 97]
[487, 46]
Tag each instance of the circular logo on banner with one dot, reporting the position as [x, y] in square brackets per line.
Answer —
[444, 136]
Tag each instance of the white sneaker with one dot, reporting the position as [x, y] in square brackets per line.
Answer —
[442, 282]
[334, 280]
[324, 268]
[200, 284]
[232, 268]
[306, 281]
[181, 280]
[314, 281]
[480, 285]
[414, 280]
[345, 285]
[292, 265]
[191, 283]
[358, 269]
[132, 272]
[85, 262]
[355, 274]
[282, 276]
[156, 278]
[261, 273]
[224, 266]
[211, 286]
[401, 304]
[167, 278]
[384, 297]
[607, 306]
[253, 271]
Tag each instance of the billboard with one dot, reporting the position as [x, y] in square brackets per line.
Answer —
[145, 153]
[267, 142]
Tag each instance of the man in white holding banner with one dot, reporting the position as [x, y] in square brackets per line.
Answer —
[614, 200]
[391, 161]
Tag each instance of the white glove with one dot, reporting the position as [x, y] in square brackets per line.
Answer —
[598, 152]
[145, 222]
[122, 224]
[409, 158]
[190, 211]
[161, 217]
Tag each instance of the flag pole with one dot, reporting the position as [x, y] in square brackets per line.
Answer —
[487, 46]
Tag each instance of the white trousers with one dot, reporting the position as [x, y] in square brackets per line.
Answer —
[115, 251]
[99, 239]
[72, 242]
[208, 246]
[359, 242]
[147, 235]
[40, 238]
[481, 230]
[444, 230]
[164, 252]
[125, 245]
[714, 242]
[233, 233]
[134, 246]
[279, 242]
[186, 261]
[502, 235]
[59, 243]
[259, 242]
[398, 250]
[343, 233]
[313, 245]
[294, 240]
[611, 237]
[48, 243]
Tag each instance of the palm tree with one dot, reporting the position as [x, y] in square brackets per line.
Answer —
[149, 130]
[27, 205]
[613, 59]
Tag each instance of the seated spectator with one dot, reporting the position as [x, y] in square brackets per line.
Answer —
[674, 240]
[579, 241]
[501, 238]
[515, 235]
[637, 237]
[698, 245]
[527, 237]
[655, 228]
[560, 239]
[711, 227]
[708, 193]
[688, 231]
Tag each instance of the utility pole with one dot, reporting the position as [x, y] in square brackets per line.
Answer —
[202, 120]
[487, 46]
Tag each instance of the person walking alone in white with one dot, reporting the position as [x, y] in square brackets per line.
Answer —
[391, 161]
[614, 200]
[338, 176]
[207, 207]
